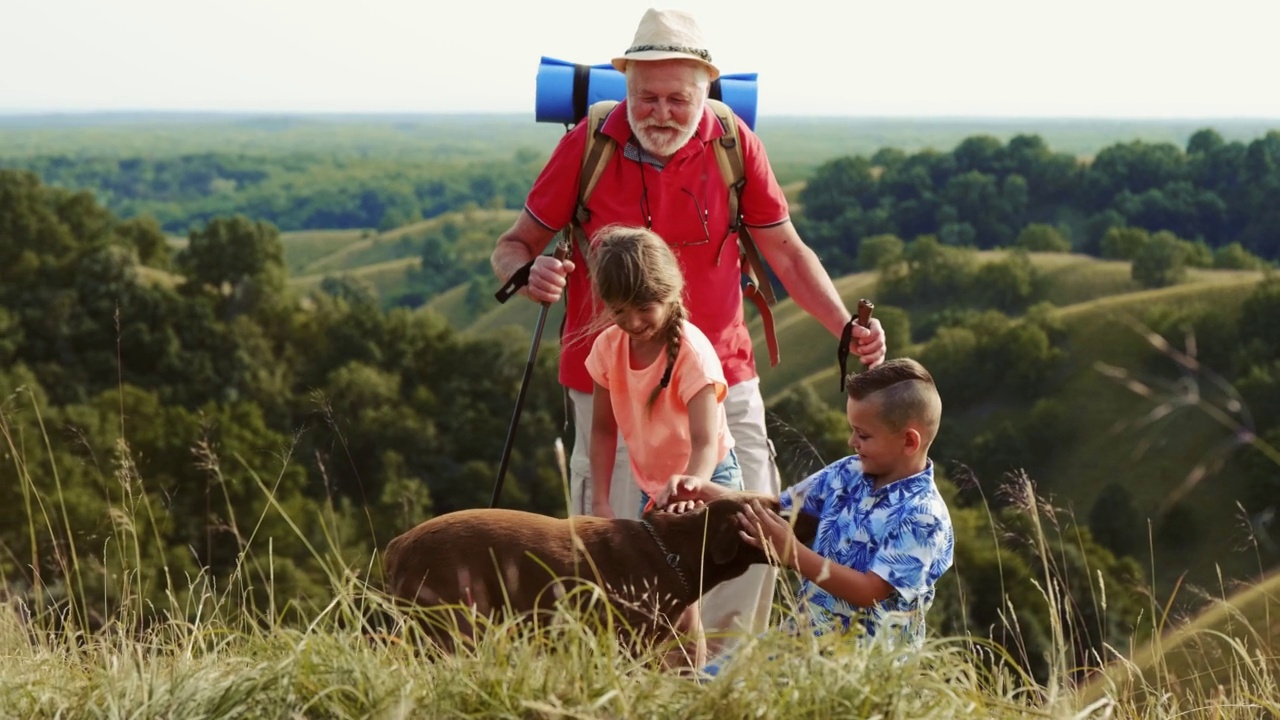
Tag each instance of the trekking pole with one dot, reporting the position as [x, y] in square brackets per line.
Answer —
[517, 281]
[863, 318]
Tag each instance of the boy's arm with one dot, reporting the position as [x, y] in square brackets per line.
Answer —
[603, 450]
[862, 589]
[762, 528]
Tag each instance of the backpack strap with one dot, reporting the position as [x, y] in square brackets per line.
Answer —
[595, 157]
[758, 289]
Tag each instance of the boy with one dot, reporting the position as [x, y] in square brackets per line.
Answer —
[884, 534]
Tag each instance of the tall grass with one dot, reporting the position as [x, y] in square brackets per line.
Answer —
[231, 647]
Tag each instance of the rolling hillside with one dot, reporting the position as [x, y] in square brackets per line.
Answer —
[302, 248]
[1114, 444]
[1237, 635]
[391, 262]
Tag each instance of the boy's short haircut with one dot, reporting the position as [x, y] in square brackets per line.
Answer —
[905, 392]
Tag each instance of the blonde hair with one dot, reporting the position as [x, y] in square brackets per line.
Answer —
[632, 266]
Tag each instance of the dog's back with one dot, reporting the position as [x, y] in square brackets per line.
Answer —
[493, 560]
[490, 559]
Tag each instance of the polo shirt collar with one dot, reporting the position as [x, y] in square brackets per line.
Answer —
[617, 127]
[909, 485]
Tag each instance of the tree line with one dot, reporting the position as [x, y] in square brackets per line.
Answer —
[984, 192]
[300, 191]
[987, 194]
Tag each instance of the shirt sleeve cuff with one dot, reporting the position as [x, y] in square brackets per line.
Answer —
[784, 220]
[539, 220]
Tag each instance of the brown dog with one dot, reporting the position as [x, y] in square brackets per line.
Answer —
[495, 562]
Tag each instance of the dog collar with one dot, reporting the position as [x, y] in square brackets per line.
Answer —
[673, 560]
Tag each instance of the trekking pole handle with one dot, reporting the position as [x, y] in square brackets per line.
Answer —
[865, 307]
[863, 318]
[562, 249]
[520, 278]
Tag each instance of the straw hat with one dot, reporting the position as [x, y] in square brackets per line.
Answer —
[667, 35]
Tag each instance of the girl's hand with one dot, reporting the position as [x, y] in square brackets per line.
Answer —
[682, 494]
[602, 509]
[765, 529]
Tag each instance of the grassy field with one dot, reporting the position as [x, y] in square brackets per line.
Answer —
[388, 262]
[214, 652]
[302, 248]
[1235, 640]
[390, 278]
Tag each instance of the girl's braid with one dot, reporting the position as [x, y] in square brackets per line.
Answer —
[675, 333]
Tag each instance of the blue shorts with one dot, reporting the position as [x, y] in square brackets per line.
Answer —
[727, 474]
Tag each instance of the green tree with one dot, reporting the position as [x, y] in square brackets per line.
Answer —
[835, 186]
[1233, 256]
[239, 260]
[1008, 284]
[1199, 254]
[1162, 261]
[1096, 227]
[1039, 237]
[147, 239]
[1124, 243]
[1134, 167]
[880, 250]
[1205, 141]
[932, 272]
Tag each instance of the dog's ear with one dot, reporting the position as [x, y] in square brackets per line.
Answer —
[723, 541]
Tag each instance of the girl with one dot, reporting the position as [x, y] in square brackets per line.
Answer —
[658, 383]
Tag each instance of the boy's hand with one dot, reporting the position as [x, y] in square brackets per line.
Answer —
[763, 528]
[682, 494]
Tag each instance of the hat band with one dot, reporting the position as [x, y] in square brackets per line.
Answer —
[696, 52]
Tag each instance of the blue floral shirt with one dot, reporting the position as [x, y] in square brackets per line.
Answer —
[901, 532]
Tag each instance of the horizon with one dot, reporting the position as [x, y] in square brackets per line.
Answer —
[16, 113]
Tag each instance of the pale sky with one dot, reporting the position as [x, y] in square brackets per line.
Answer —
[1025, 58]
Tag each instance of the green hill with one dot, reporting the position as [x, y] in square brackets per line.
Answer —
[302, 248]
[1236, 636]
[808, 351]
[390, 278]
[391, 262]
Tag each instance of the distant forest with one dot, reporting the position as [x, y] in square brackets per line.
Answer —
[983, 191]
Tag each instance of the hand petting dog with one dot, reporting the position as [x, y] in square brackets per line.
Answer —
[761, 527]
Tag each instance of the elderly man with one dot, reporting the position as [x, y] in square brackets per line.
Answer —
[665, 177]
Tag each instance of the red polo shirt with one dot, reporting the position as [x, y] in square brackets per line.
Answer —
[687, 191]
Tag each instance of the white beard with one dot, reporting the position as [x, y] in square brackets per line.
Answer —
[662, 144]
